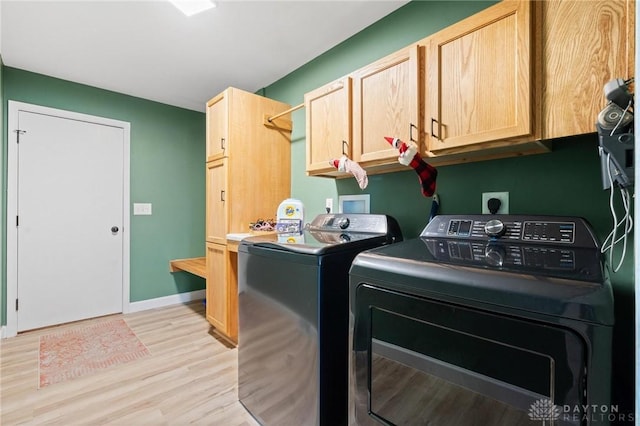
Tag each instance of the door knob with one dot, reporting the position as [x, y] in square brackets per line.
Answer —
[114, 229]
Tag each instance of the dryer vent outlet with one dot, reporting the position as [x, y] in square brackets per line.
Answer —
[504, 202]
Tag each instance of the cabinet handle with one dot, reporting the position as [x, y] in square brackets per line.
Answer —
[433, 120]
[222, 195]
[222, 143]
[411, 127]
[344, 152]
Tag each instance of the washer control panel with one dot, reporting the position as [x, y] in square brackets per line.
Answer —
[373, 223]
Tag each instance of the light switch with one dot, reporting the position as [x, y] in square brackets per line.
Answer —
[141, 209]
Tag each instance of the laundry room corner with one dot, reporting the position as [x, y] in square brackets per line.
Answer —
[166, 151]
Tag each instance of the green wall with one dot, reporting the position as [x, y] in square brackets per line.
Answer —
[564, 182]
[3, 222]
[167, 149]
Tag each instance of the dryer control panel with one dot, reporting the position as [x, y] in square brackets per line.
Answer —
[544, 230]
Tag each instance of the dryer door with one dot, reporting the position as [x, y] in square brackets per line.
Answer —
[420, 361]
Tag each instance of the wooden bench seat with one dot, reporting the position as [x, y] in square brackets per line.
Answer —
[195, 265]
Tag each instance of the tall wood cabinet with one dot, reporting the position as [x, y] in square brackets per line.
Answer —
[248, 174]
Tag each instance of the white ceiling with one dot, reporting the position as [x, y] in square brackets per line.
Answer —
[151, 50]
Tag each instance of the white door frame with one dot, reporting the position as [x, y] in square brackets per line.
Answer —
[12, 201]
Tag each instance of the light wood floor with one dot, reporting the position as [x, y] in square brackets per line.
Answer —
[190, 378]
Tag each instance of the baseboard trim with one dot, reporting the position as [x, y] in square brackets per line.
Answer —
[143, 305]
[173, 299]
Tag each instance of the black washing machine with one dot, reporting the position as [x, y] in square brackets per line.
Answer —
[293, 318]
[482, 320]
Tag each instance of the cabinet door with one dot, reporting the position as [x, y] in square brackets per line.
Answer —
[585, 44]
[328, 113]
[216, 210]
[217, 290]
[480, 81]
[217, 126]
[386, 103]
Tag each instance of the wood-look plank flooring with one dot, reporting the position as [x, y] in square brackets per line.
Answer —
[190, 378]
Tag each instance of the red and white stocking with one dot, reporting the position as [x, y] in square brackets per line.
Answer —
[409, 156]
[345, 165]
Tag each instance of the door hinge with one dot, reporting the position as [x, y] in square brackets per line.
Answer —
[16, 304]
[18, 133]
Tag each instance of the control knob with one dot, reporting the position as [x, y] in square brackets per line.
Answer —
[345, 238]
[495, 228]
[343, 222]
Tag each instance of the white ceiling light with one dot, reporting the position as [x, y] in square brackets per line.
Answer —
[191, 7]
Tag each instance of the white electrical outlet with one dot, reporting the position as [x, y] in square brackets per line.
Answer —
[328, 205]
[504, 202]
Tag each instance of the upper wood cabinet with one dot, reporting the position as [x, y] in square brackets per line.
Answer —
[217, 126]
[584, 44]
[329, 132]
[249, 178]
[503, 82]
[387, 102]
[480, 83]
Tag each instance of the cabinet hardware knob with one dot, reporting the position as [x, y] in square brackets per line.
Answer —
[222, 143]
[222, 195]
[114, 229]
[344, 152]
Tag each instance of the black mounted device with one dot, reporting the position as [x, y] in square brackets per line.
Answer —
[615, 135]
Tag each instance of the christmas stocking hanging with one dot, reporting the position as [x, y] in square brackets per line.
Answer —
[409, 156]
[345, 165]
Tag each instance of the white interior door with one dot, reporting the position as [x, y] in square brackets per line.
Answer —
[70, 220]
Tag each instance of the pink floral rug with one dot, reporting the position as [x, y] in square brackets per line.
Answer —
[73, 353]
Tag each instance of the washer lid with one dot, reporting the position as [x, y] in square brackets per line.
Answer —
[317, 242]
[329, 233]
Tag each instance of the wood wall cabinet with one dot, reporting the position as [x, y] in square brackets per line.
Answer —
[352, 115]
[481, 79]
[503, 82]
[329, 126]
[248, 174]
[388, 101]
[584, 44]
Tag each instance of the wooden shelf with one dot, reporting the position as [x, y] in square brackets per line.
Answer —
[195, 265]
